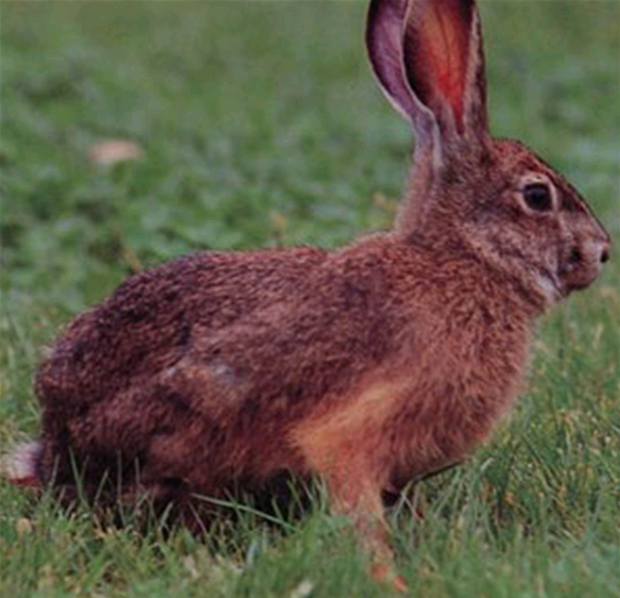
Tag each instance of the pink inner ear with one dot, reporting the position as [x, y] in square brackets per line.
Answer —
[437, 53]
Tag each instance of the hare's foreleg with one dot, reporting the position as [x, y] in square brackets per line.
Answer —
[355, 491]
[344, 450]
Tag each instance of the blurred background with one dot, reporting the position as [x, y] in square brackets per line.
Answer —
[250, 124]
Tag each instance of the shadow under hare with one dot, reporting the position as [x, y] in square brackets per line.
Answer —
[368, 366]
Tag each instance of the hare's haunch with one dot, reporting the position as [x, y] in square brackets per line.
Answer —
[368, 366]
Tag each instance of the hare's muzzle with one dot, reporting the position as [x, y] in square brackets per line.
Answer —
[583, 261]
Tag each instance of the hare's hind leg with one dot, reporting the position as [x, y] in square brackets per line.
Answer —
[155, 433]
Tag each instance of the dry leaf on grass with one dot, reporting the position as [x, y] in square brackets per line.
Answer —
[303, 589]
[110, 151]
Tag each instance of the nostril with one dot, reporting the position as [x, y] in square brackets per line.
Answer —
[605, 255]
[575, 256]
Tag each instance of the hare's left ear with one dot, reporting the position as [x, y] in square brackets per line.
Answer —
[444, 66]
[384, 42]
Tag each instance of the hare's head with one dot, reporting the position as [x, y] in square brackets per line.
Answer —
[493, 197]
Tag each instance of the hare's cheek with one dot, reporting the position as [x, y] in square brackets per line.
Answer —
[546, 273]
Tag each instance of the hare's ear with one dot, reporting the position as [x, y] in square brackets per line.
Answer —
[385, 45]
[384, 42]
[444, 65]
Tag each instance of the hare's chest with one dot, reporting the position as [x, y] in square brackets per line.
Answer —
[446, 414]
[440, 428]
[431, 408]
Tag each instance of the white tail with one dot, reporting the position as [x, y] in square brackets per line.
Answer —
[19, 466]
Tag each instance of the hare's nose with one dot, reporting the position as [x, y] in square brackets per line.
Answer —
[603, 244]
[605, 253]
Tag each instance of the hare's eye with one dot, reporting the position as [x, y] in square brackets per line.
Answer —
[537, 196]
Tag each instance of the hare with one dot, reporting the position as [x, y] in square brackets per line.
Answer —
[368, 366]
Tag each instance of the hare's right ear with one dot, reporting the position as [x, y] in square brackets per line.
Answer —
[427, 55]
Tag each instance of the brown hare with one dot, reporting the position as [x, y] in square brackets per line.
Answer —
[368, 366]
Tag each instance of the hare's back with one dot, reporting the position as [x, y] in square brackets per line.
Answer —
[147, 323]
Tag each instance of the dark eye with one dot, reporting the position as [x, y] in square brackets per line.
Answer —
[537, 196]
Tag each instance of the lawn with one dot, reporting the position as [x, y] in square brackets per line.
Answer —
[260, 125]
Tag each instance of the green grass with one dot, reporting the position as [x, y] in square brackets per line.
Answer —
[262, 126]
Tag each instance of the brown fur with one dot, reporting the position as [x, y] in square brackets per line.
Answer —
[371, 365]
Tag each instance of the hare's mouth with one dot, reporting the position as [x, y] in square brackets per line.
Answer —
[578, 275]
[579, 283]
[551, 286]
